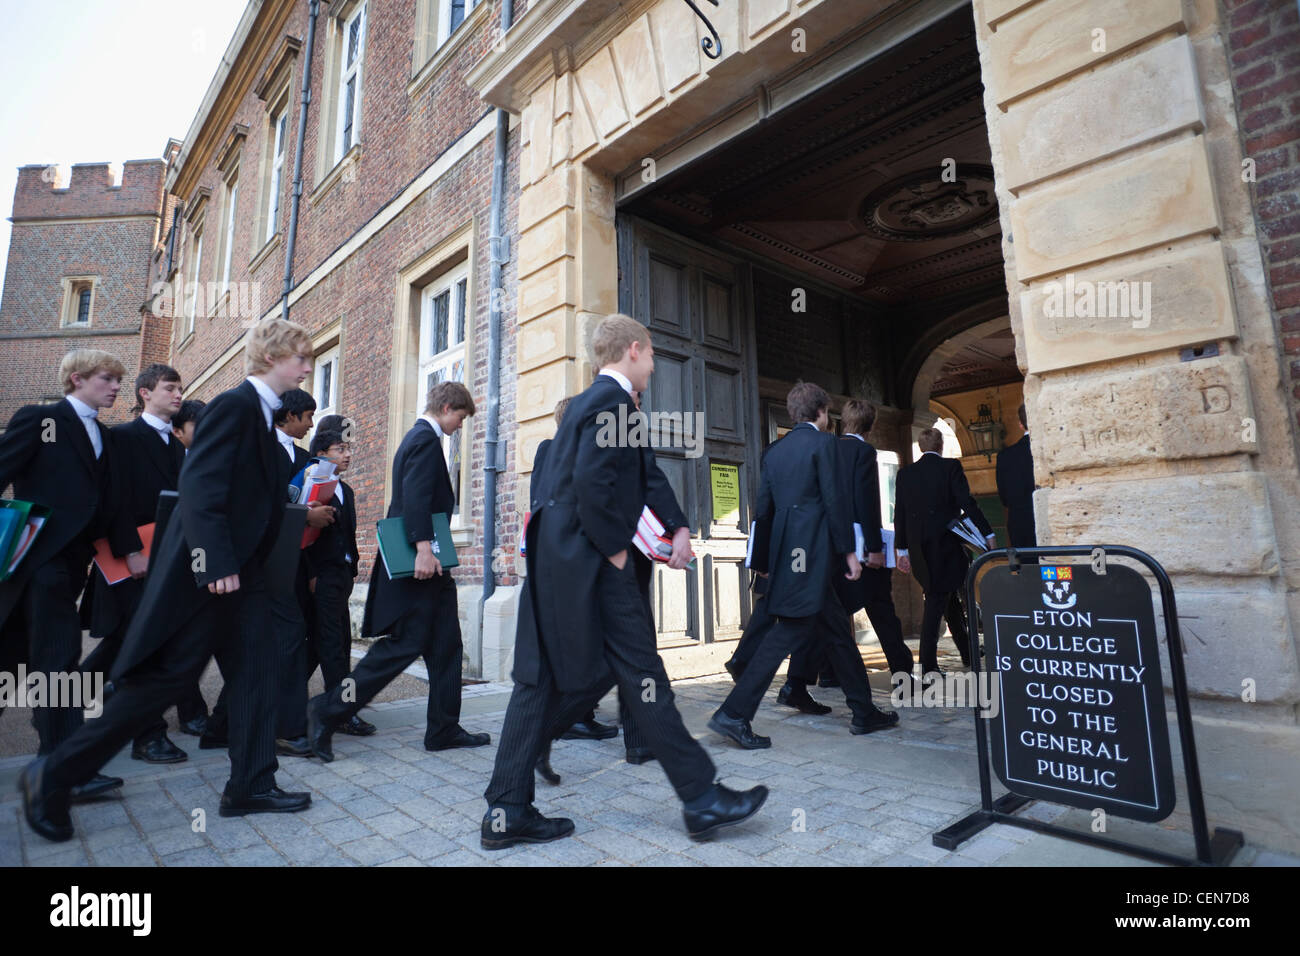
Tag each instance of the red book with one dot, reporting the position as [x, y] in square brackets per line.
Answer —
[112, 567]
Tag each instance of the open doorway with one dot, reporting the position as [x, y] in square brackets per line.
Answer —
[846, 240]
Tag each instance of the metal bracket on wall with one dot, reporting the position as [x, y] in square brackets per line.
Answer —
[712, 44]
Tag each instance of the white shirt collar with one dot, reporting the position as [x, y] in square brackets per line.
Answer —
[935, 453]
[270, 400]
[157, 424]
[858, 437]
[286, 441]
[81, 408]
[434, 422]
[813, 425]
[624, 382]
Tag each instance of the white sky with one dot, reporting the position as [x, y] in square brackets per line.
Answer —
[88, 81]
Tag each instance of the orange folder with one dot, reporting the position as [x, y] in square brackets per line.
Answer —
[112, 567]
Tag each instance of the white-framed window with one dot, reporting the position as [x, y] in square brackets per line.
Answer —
[444, 310]
[325, 382]
[78, 300]
[279, 133]
[82, 292]
[436, 21]
[451, 15]
[192, 291]
[228, 232]
[350, 76]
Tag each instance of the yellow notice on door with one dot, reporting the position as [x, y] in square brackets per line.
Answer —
[725, 480]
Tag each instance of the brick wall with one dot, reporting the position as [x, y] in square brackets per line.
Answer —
[51, 239]
[1263, 45]
[403, 132]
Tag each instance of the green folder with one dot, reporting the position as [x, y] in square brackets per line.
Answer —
[398, 553]
[21, 533]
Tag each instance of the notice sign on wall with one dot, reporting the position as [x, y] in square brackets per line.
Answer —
[1081, 719]
[725, 481]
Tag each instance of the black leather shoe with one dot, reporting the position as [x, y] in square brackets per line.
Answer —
[319, 732]
[356, 727]
[543, 767]
[292, 747]
[876, 720]
[640, 755]
[499, 832]
[47, 813]
[461, 738]
[728, 807]
[274, 800]
[195, 726]
[158, 750]
[96, 786]
[589, 730]
[800, 700]
[738, 729]
[213, 741]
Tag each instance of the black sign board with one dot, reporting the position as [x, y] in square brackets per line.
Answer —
[1081, 715]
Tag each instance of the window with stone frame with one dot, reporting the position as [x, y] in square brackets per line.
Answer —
[230, 208]
[78, 300]
[444, 308]
[192, 291]
[352, 57]
[277, 140]
[436, 21]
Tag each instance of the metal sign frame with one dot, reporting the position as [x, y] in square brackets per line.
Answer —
[1211, 850]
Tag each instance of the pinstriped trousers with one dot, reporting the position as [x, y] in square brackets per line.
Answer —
[643, 683]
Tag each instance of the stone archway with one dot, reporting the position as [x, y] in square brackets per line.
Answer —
[939, 355]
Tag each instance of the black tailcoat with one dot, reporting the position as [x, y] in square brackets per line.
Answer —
[230, 509]
[804, 518]
[929, 495]
[421, 489]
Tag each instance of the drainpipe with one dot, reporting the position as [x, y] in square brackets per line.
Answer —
[493, 454]
[297, 159]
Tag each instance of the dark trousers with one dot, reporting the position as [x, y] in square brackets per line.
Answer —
[330, 640]
[756, 629]
[799, 636]
[631, 656]
[430, 629]
[289, 625]
[633, 739]
[874, 593]
[47, 610]
[188, 706]
[232, 627]
[942, 606]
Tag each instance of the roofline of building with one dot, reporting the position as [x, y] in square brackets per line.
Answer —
[205, 129]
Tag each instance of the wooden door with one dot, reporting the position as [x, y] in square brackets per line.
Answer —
[695, 302]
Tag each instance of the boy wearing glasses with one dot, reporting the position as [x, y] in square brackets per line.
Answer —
[331, 563]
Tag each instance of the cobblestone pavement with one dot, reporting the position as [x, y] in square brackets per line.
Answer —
[837, 800]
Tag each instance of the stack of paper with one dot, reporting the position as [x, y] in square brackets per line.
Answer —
[860, 545]
[970, 535]
[651, 538]
[316, 482]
